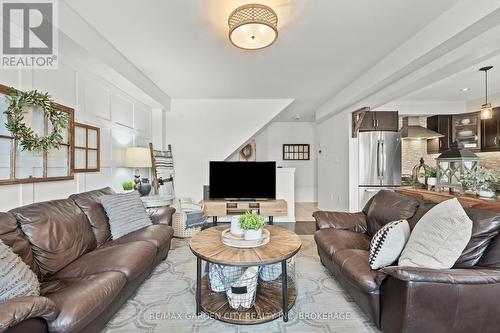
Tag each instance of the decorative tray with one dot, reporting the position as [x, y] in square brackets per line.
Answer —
[239, 242]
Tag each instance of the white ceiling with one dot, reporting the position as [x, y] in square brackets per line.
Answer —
[182, 45]
[449, 89]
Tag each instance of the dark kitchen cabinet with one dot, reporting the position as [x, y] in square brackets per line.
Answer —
[466, 129]
[490, 132]
[380, 121]
[442, 125]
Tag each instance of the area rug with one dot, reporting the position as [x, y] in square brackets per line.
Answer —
[166, 301]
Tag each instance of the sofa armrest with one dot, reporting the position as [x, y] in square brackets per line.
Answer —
[415, 300]
[476, 275]
[340, 220]
[161, 215]
[15, 311]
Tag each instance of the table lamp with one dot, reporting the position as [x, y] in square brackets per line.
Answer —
[138, 157]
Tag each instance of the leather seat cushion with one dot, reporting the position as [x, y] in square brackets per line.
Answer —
[58, 232]
[87, 201]
[160, 235]
[333, 240]
[388, 206]
[131, 259]
[81, 300]
[355, 268]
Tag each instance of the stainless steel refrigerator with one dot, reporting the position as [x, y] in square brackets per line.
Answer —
[379, 163]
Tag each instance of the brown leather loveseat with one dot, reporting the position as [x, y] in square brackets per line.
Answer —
[85, 276]
[398, 299]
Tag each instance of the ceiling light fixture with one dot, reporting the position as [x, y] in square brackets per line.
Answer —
[486, 109]
[464, 89]
[253, 27]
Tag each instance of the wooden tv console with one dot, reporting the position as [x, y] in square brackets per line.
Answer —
[270, 208]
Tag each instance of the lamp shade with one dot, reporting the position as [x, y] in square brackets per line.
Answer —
[253, 26]
[138, 157]
[486, 111]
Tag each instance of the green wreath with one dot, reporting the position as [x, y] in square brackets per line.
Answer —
[18, 101]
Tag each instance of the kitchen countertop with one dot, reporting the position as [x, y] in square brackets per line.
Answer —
[468, 201]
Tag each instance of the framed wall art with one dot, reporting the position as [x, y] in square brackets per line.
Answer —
[296, 152]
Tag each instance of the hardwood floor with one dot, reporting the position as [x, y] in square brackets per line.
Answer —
[300, 227]
[304, 210]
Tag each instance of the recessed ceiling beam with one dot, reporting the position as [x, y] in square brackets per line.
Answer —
[465, 34]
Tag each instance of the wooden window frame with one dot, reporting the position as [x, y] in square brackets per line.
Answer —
[6, 90]
[87, 149]
[304, 146]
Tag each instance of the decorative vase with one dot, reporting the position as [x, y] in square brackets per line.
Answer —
[253, 234]
[486, 194]
[145, 189]
[431, 181]
[235, 227]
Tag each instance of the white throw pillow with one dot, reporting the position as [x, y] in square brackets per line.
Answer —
[16, 278]
[388, 242]
[439, 238]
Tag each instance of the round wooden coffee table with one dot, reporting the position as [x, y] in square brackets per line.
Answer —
[272, 300]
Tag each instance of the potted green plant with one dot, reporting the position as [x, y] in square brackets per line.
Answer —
[431, 175]
[128, 186]
[252, 225]
[480, 180]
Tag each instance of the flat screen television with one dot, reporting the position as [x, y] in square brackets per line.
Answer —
[242, 180]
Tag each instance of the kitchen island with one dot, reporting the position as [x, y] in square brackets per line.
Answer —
[467, 200]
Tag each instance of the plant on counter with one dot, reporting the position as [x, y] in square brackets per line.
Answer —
[481, 180]
[430, 175]
[252, 225]
[409, 181]
[128, 185]
[431, 172]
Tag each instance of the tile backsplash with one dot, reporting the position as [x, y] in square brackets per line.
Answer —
[413, 150]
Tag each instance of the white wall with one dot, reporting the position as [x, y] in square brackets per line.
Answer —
[475, 105]
[123, 121]
[269, 147]
[202, 130]
[334, 163]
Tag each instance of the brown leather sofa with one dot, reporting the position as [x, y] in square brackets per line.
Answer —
[85, 276]
[465, 298]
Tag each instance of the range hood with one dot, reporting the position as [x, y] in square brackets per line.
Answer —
[413, 130]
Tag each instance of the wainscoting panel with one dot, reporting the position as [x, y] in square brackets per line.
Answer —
[122, 110]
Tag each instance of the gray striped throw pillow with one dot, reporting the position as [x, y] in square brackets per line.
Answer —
[126, 213]
[16, 278]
